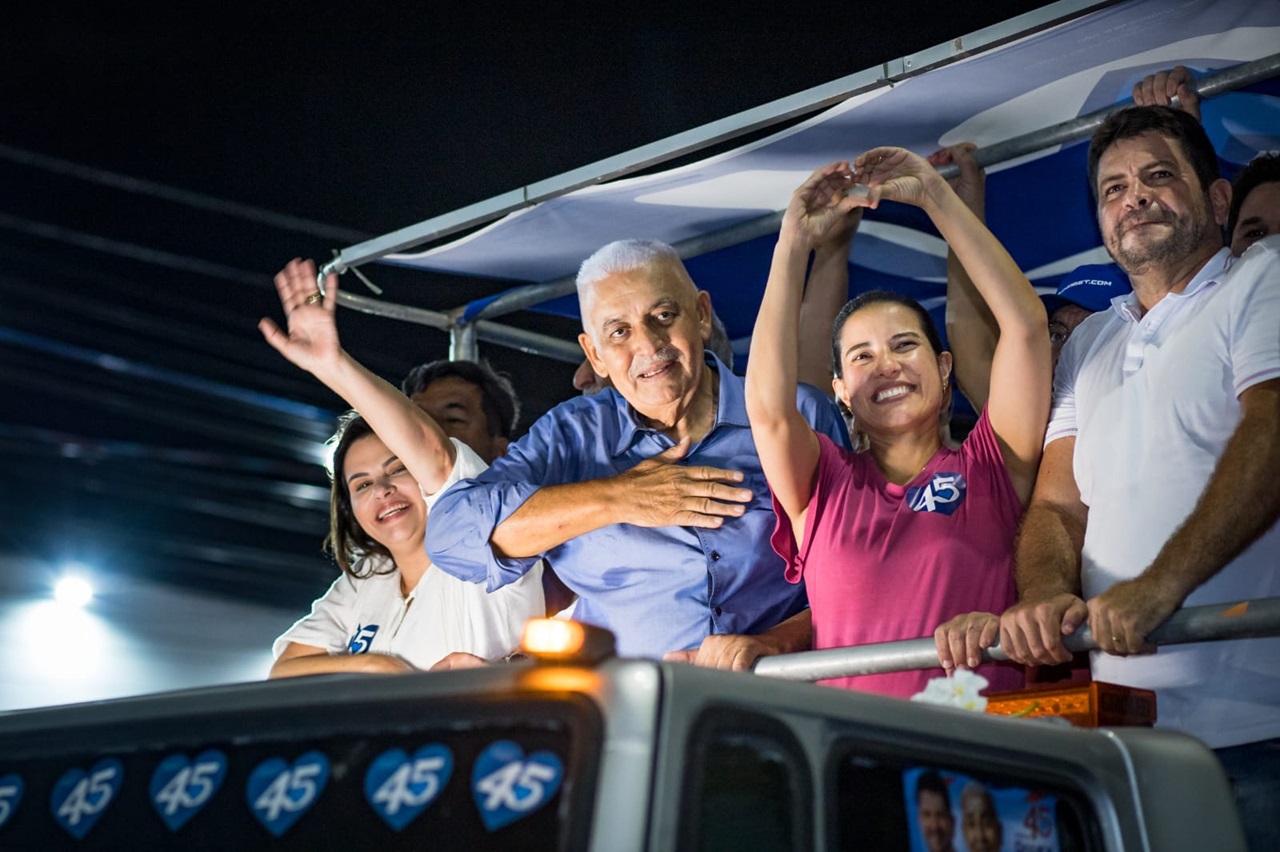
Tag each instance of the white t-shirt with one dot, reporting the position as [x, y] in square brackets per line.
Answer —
[441, 615]
[1152, 401]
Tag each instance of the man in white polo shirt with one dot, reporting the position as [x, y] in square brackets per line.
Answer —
[1160, 483]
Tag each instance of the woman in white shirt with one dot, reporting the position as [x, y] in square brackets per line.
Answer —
[391, 610]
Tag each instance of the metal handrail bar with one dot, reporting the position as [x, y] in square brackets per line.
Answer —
[531, 342]
[1214, 622]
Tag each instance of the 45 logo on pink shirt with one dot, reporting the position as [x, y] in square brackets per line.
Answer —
[944, 494]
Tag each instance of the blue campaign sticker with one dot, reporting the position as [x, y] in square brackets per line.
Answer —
[80, 798]
[180, 787]
[400, 787]
[508, 786]
[10, 796]
[362, 639]
[943, 495]
[279, 793]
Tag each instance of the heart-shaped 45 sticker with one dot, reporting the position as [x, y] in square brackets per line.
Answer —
[400, 787]
[181, 787]
[508, 786]
[80, 798]
[10, 796]
[280, 793]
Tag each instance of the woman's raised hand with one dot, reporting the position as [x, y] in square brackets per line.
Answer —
[821, 205]
[896, 174]
[312, 340]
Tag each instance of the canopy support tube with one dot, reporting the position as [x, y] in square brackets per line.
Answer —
[1235, 77]
[1245, 620]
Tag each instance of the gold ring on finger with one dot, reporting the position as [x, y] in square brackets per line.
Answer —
[315, 297]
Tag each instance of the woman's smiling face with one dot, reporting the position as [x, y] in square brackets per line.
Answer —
[385, 499]
[891, 379]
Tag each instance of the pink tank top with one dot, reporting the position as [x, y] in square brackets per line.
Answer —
[883, 562]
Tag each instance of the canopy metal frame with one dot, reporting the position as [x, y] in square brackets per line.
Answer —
[466, 331]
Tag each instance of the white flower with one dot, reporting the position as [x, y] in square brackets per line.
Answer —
[959, 690]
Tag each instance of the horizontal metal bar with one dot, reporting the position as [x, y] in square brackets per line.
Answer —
[536, 294]
[432, 229]
[530, 342]
[1241, 620]
[491, 332]
[392, 310]
[1230, 79]
[1021, 26]
[707, 135]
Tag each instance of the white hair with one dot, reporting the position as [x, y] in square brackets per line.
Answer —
[624, 256]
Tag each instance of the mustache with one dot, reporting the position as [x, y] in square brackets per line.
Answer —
[1143, 217]
[660, 358]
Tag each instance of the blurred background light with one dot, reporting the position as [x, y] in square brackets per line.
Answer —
[73, 591]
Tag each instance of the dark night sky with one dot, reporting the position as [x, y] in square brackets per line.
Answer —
[349, 115]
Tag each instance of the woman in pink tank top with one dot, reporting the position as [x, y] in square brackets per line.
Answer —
[908, 537]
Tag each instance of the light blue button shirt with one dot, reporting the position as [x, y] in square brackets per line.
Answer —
[657, 589]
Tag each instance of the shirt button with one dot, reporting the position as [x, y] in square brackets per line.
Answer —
[719, 611]
[715, 556]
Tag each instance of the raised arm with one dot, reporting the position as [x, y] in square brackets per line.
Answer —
[1018, 407]
[1047, 565]
[312, 344]
[824, 295]
[1239, 504]
[786, 442]
[971, 329]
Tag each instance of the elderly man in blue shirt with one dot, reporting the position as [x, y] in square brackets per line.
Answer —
[647, 498]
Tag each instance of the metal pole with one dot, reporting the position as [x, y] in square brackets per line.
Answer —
[530, 341]
[462, 343]
[536, 294]
[491, 332]
[1244, 620]
[376, 307]
[1235, 77]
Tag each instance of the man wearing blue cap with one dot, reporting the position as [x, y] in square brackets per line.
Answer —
[1084, 291]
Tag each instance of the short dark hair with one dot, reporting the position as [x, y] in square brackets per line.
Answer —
[931, 782]
[873, 297]
[497, 395]
[347, 541]
[1264, 168]
[1167, 121]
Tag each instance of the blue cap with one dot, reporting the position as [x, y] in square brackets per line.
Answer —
[1091, 286]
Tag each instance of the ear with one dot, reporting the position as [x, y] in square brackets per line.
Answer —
[704, 315]
[498, 445]
[1220, 199]
[589, 349]
[837, 387]
[944, 367]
